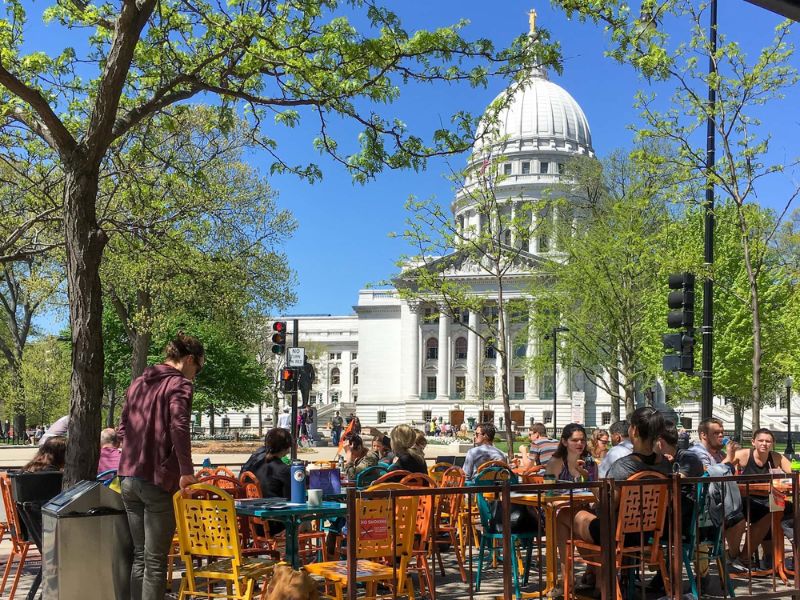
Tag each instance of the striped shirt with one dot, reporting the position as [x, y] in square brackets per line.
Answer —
[542, 449]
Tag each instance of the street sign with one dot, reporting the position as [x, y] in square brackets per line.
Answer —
[578, 404]
[296, 357]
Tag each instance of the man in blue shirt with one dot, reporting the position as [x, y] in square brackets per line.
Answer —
[622, 447]
[484, 449]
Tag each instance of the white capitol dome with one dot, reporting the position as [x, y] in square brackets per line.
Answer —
[541, 115]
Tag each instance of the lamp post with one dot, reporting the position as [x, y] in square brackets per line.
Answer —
[554, 335]
[789, 447]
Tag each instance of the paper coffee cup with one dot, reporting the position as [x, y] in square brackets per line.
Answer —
[314, 497]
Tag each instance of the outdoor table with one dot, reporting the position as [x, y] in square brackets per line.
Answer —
[763, 489]
[549, 503]
[291, 514]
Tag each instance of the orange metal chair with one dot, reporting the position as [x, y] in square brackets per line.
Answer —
[207, 529]
[382, 538]
[426, 509]
[391, 477]
[445, 523]
[437, 470]
[230, 484]
[641, 509]
[533, 475]
[224, 471]
[20, 548]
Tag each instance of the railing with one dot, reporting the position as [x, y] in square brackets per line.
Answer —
[680, 548]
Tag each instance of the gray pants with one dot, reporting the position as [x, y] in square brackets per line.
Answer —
[151, 518]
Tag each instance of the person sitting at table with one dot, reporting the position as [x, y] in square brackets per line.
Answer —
[51, 456]
[407, 455]
[541, 449]
[382, 449]
[356, 457]
[422, 441]
[271, 471]
[571, 461]
[622, 446]
[761, 459]
[110, 452]
[646, 426]
[599, 444]
[484, 450]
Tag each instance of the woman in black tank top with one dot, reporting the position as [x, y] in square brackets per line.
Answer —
[752, 467]
[755, 508]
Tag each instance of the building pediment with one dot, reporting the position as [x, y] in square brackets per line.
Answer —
[465, 265]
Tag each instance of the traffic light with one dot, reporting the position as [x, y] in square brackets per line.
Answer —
[681, 300]
[680, 346]
[288, 380]
[279, 337]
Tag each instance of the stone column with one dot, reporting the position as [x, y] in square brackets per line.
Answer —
[443, 365]
[472, 358]
[411, 347]
[531, 350]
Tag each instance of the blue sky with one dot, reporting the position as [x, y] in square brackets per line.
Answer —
[343, 244]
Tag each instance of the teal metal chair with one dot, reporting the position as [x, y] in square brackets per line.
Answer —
[715, 546]
[368, 476]
[486, 506]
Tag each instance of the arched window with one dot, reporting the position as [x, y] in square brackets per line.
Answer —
[335, 376]
[355, 376]
[521, 350]
[491, 352]
[461, 348]
[432, 348]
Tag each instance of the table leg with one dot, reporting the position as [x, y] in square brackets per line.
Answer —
[291, 542]
[777, 546]
[551, 559]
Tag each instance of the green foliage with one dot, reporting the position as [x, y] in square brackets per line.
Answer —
[613, 227]
[232, 378]
[45, 373]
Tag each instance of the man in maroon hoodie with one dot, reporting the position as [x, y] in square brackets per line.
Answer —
[156, 459]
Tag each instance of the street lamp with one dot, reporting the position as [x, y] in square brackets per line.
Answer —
[554, 335]
[789, 448]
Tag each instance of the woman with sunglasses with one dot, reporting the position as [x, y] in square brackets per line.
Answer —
[598, 444]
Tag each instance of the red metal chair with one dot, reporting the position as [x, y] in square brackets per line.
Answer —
[19, 547]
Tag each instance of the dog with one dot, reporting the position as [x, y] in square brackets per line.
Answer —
[288, 584]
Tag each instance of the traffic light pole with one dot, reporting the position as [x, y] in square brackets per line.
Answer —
[707, 388]
[293, 395]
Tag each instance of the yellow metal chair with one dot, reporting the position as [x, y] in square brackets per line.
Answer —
[208, 529]
[381, 537]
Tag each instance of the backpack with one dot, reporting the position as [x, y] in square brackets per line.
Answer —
[733, 512]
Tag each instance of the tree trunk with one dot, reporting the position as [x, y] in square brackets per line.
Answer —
[142, 338]
[502, 356]
[752, 280]
[84, 250]
[615, 395]
[738, 420]
[112, 405]
[211, 424]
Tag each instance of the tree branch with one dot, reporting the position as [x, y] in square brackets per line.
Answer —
[58, 137]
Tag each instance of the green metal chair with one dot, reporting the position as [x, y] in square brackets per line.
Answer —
[497, 475]
[715, 549]
[368, 476]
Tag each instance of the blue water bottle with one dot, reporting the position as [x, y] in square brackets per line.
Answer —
[298, 475]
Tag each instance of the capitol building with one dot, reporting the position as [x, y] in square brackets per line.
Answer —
[398, 361]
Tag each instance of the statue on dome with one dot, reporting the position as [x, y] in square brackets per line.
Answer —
[532, 20]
